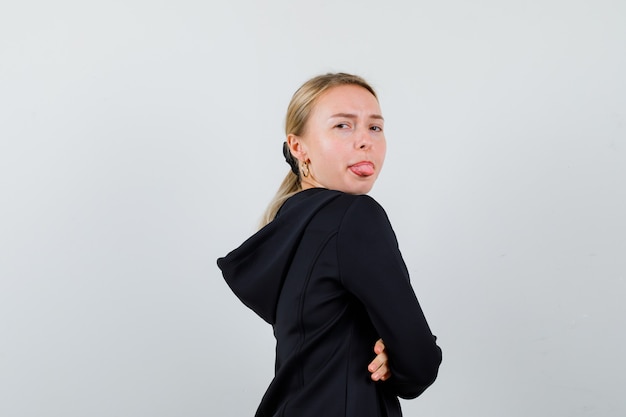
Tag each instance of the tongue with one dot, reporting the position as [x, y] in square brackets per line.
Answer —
[362, 170]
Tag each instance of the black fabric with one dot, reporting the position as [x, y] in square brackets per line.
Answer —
[328, 275]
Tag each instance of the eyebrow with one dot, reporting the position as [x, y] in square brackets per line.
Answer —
[354, 116]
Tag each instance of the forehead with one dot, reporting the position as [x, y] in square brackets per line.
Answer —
[347, 98]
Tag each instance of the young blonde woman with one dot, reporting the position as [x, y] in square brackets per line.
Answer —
[325, 269]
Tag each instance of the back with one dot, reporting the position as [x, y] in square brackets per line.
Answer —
[328, 275]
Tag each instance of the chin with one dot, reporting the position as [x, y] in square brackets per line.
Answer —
[361, 188]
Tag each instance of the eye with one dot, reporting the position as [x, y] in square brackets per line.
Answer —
[376, 128]
[342, 125]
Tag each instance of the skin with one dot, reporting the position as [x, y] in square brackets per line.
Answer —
[378, 367]
[344, 147]
[345, 128]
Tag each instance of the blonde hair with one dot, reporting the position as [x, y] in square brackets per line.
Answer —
[298, 113]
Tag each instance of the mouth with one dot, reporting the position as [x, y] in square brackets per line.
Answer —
[362, 169]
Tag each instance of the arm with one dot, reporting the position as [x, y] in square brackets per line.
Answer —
[372, 269]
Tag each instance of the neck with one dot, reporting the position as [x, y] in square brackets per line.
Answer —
[310, 182]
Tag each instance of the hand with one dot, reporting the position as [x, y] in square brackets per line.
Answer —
[378, 367]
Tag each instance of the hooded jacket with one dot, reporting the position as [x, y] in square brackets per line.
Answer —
[327, 274]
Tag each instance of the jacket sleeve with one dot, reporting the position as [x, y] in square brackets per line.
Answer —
[372, 268]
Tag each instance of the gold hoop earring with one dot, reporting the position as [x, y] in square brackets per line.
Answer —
[304, 168]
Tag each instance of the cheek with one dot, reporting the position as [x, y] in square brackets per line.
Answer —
[333, 153]
[382, 150]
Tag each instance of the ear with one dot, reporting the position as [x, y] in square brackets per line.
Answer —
[297, 147]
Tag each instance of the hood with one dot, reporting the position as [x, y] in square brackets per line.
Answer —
[256, 270]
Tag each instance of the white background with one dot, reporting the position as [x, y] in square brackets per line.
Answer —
[140, 140]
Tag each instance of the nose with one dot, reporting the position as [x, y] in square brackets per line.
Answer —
[364, 138]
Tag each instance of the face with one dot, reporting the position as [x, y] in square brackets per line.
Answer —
[344, 141]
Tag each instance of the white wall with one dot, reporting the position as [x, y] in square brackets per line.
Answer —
[140, 140]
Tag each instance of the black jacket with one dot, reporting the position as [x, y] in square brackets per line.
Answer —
[328, 275]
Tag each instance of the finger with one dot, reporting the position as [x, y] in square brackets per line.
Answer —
[380, 360]
[381, 356]
[378, 367]
[379, 347]
[382, 374]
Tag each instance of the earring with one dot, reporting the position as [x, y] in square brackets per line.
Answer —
[304, 168]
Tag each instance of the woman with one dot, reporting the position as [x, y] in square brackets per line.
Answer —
[325, 269]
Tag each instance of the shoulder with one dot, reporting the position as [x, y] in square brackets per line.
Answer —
[349, 210]
[366, 244]
[309, 197]
[365, 219]
[366, 209]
